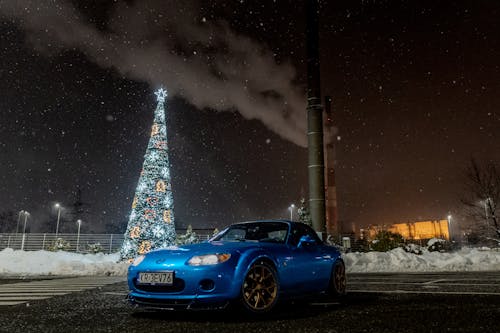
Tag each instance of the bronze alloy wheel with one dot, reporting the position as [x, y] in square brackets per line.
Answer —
[260, 288]
[339, 280]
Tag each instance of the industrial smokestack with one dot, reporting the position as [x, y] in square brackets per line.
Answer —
[332, 225]
[315, 122]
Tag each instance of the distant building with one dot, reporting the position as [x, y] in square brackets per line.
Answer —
[414, 230]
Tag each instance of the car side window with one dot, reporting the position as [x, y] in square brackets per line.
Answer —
[234, 234]
[300, 230]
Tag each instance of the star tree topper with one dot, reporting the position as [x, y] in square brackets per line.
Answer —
[161, 94]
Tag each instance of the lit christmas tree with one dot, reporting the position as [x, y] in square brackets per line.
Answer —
[151, 223]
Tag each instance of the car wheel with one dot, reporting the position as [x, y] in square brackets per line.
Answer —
[259, 291]
[338, 280]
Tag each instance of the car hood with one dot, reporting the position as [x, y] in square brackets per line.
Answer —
[205, 248]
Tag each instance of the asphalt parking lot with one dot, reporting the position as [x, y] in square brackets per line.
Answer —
[448, 302]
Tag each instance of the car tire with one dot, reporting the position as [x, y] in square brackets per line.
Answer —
[259, 289]
[338, 280]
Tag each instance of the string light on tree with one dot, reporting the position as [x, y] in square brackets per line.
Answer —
[151, 222]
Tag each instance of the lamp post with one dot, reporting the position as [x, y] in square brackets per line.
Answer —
[26, 214]
[292, 206]
[19, 220]
[79, 222]
[58, 206]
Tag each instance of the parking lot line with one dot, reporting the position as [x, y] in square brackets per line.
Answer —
[425, 292]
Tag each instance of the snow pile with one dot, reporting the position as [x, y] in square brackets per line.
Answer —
[65, 263]
[14, 262]
[433, 241]
[398, 260]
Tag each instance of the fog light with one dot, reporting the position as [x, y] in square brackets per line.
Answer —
[207, 285]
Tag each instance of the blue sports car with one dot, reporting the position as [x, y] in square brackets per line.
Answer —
[254, 263]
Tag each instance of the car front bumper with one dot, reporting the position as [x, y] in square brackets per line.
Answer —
[193, 288]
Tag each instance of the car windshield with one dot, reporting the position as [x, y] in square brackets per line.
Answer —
[273, 232]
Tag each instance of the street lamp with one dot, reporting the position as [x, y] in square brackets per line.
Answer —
[26, 214]
[79, 222]
[19, 220]
[58, 207]
[292, 206]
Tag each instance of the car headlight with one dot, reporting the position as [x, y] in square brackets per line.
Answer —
[209, 259]
[138, 260]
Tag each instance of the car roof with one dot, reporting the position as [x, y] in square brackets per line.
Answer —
[268, 221]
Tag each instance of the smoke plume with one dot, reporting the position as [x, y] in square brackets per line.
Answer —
[169, 43]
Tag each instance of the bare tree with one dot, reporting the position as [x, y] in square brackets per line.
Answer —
[482, 195]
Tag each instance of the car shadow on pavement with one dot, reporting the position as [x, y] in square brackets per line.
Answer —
[283, 311]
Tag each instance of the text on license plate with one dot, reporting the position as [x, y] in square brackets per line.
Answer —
[157, 278]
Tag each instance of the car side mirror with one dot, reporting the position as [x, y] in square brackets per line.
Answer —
[306, 241]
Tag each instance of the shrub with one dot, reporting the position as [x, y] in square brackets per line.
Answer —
[59, 245]
[361, 245]
[95, 248]
[413, 248]
[386, 240]
[190, 237]
[437, 244]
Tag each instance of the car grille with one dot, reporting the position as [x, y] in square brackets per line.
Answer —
[177, 286]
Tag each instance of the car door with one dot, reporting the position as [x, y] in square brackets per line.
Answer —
[311, 266]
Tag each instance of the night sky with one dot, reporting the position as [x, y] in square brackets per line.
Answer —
[414, 85]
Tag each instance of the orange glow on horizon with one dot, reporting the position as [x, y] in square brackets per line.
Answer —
[416, 230]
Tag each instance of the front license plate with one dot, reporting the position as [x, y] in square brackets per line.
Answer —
[166, 278]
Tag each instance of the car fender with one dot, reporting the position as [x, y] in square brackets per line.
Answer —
[246, 260]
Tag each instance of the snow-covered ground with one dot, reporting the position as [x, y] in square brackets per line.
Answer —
[398, 260]
[65, 263]
[16, 262]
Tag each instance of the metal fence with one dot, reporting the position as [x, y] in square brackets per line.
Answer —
[107, 243]
[85, 243]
